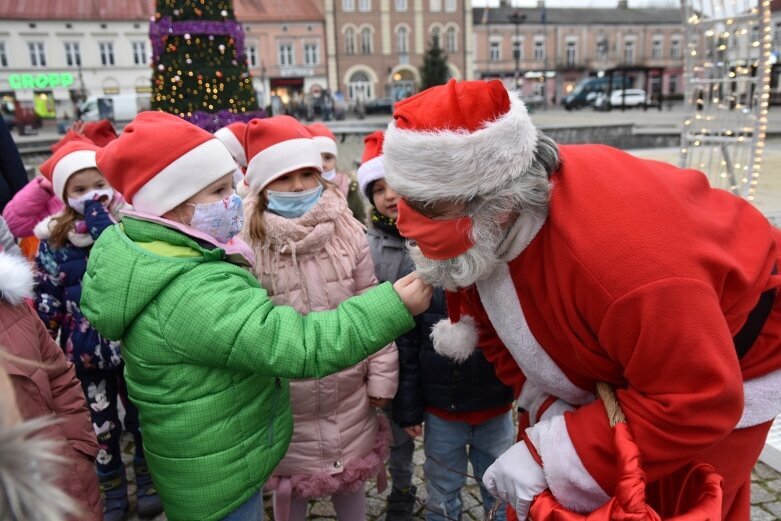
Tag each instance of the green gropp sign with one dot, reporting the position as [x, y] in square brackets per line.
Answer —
[40, 81]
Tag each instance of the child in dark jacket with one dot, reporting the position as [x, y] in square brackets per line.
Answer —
[66, 238]
[464, 406]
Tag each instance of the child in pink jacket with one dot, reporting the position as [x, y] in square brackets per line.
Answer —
[312, 254]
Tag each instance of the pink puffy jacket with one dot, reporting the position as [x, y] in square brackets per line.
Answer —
[31, 205]
[47, 385]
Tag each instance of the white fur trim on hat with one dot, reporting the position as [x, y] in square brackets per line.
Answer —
[326, 145]
[372, 170]
[229, 139]
[455, 341]
[281, 158]
[69, 165]
[185, 177]
[446, 164]
[16, 278]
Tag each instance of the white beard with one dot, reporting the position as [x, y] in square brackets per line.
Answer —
[475, 264]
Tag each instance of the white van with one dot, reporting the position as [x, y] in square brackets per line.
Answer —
[119, 108]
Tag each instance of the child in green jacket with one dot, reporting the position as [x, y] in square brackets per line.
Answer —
[207, 355]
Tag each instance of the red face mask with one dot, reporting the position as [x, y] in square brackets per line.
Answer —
[437, 240]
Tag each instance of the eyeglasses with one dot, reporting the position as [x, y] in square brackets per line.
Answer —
[489, 516]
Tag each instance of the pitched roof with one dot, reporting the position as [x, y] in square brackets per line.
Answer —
[577, 16]
[111, 10]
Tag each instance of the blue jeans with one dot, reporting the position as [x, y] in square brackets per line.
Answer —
[448, 441]
[251, 510]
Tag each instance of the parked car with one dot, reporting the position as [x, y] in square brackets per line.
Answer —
[629, 98]
[380, 106]
[587, 90]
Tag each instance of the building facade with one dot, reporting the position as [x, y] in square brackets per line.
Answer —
[376, 47]
[546, 51]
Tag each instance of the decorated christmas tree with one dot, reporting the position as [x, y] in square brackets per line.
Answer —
[200, 70]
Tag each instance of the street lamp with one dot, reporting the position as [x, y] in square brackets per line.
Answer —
[517, 18]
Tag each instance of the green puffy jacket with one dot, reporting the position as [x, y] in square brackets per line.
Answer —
[206, 355]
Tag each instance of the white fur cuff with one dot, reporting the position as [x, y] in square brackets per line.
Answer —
[455, 341]
[16, 278]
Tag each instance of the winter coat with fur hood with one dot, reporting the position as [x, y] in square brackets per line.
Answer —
[46, 384]
[313, 263]
[58, 291]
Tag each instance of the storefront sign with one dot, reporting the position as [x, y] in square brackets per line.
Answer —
[40, 81]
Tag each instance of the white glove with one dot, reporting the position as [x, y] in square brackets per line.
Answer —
[515, 477]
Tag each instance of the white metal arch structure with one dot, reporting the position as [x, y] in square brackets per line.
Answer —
[727, 77]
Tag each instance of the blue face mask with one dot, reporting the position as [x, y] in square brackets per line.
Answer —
[293, 204]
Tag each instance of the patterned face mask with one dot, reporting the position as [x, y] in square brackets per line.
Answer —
[78, 203]
[220, 219]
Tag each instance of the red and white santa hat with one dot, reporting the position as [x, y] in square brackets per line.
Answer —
[276, 146]
[232, 137]
[458, 141]
[324, 138]
[372, 166]
[160, 160]
[70, 158]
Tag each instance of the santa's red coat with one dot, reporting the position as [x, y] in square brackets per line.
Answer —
[640, 276]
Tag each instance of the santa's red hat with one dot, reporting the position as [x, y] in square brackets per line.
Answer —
[458, 141]
[276, 146]
[324, 138]
[372, 166]
[232, 137]
[99, 132]
[161, 160]
[70, 158]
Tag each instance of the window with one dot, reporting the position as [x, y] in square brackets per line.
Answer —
[72, 54]
[450, 6]
[360, 87]
[285, 54]
[629, 52]
[601, 52]
[452, 42]
[37, 54]
[518, 49]
[495, 52]
[402, 41]
[539, 50]
[348, 5]
[435, 37]
[3, 55]
[435, 6]
[252, 55]
[755, 33]
[106, 53]
[672, 84]
[366, 41]
[572, 53]
[364, 5]
[401, 5]
[657, 51]
[675, 48]
[139, 53]
[311, 53]
[349, 41]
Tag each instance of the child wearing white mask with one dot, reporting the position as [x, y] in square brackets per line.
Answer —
[91, 206]
[312, 255]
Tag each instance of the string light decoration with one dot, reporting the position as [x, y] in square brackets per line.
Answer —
[199, 70]
[727, 77]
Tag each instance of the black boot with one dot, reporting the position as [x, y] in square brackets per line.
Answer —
[113, 492]
[401, 504]
[148, 503]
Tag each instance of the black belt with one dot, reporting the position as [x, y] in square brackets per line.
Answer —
[757, 317]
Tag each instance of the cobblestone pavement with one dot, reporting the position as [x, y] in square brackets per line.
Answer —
[765, 495]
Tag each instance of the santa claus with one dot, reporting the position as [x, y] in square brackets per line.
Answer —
[572, 265]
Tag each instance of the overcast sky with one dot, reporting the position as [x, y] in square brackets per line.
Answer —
[581, 3]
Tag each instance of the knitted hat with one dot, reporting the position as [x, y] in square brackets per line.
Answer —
[232, 137]
[161, 160]
[324, 138]
[458, 141]
[276, 146]
[372, 167]
[73, 156]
